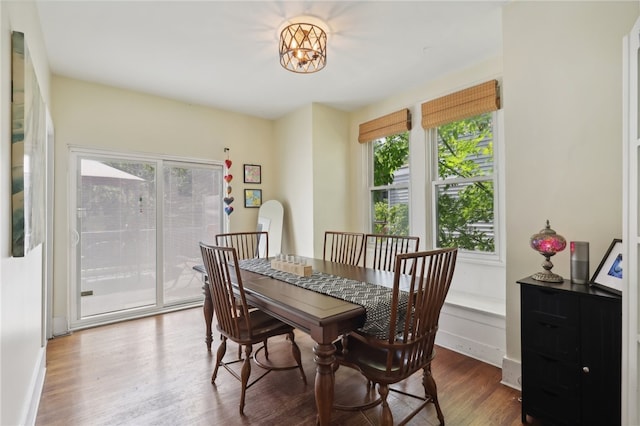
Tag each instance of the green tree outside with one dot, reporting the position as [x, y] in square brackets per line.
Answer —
[389, 155]
[465, 209]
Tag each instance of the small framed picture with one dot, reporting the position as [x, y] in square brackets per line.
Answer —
[252, 198]
[608, 276]
[252, 173]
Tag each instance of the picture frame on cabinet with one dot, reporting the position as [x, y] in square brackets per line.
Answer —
[608, 275]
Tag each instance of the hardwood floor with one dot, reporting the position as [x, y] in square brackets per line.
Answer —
[156, 371]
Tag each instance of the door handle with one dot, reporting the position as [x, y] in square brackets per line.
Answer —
[74, 237]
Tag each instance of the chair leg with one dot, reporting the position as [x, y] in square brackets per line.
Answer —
[244, 375]
[295, 350]
[431, 391]
[387, 417]
[222, 349]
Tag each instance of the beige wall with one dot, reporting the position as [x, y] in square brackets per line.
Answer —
[22, 354]
[563, 122]
[295, 176]
[312, 148]
[94, 116]
[332, 204]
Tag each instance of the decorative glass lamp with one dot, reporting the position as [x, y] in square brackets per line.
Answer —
[547, 243]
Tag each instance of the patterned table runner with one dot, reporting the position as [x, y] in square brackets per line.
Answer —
[374, 298]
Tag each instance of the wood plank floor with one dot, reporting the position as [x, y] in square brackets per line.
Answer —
[156, 371]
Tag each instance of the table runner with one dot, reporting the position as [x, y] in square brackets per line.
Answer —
[376, 299]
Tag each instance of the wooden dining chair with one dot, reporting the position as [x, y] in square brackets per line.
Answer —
[409, 346]
[343, 247]
[239, 324]
[380, 250]
[248, 245]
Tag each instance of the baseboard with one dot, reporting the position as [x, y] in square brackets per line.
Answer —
[470, 348]
[511, 373]
[36, 386]
[472, 332]
[60, 326]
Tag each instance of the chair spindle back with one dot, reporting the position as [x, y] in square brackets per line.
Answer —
[229, 300]
[428, 278]
[380, 250]
[248, 245]
[343, 247]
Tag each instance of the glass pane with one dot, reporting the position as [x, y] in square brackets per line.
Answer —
[117, 227]
[390, 211]
[465, 148]
[391, 160]
[465, 216]
[192, 213]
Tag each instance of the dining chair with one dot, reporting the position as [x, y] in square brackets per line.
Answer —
[239, 324]
[343, 247]
[409, 346]
[248, 245]
[380, 250]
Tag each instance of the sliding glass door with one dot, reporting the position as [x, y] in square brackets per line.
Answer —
[191, 213]
[137, 223]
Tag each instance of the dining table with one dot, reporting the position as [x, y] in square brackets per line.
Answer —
[324, 317]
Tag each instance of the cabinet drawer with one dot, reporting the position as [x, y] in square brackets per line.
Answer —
[561, 377]
[547, 404]
[552, 306]
[549, 338]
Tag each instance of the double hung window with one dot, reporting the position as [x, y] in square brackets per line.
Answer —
[390, 190]
[388, 172]
[464, 186]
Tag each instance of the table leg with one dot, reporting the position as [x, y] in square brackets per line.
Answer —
[207, 307]
[325, 380]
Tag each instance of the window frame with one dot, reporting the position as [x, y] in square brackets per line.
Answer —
[495, 178]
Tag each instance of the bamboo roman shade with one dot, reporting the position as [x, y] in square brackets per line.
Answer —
[390, 124]
[465, 103]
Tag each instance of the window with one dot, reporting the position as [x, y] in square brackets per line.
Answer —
[464, 188]
[390, 189]
[388, 171]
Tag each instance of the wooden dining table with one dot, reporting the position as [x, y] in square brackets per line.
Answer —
[323, 317]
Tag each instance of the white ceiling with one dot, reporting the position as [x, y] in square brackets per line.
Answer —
[224, 54]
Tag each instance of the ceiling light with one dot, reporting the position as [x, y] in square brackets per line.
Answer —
[303, 47]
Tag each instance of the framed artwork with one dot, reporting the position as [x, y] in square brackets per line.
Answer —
[252, 173]
[252, 198]
[28, 140]
[608, 276]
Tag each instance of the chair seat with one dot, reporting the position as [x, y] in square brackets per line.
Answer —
[263, 326]
[370, 359]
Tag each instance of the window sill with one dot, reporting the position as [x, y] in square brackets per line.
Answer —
[482, 304]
